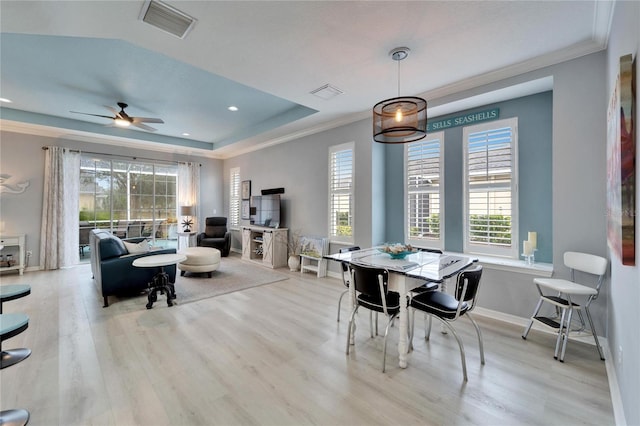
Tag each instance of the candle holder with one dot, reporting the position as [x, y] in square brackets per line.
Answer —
[530, 259]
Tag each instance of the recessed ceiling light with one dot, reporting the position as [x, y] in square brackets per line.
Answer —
[233, 108]
[186, 134]
[8, 101]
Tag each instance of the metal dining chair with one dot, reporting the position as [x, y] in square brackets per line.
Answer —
[345, 275]
[448, 308]
[371, 286]
[564, 294]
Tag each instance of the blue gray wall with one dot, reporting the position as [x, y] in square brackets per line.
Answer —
[534, 170]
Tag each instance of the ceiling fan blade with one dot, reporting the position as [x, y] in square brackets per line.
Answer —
[144, 127]
[146, 120]
[94, 115]
[115, 112]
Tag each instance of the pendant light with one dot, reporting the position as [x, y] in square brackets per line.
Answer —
[402, 119]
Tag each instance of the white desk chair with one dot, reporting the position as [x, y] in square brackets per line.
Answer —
[566, 291]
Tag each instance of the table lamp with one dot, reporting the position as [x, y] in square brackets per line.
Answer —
[187, 211]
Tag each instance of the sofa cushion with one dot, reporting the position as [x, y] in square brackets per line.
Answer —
[135, 248]
[111, 247]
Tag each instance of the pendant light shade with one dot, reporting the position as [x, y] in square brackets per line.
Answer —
[401, 119]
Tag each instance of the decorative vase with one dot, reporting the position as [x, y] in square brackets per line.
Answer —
[294, 262]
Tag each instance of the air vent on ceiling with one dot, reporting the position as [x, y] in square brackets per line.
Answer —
[166, 18]
[327, 92]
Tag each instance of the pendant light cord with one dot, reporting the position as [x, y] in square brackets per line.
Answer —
[398, 78]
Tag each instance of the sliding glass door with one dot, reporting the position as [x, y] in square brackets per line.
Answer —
[130, 199]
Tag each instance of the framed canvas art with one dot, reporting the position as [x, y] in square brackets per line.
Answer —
[246, 189]
[621, 166]
[245, 210]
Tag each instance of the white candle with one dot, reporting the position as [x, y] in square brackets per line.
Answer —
[527, 250]
[533, 239]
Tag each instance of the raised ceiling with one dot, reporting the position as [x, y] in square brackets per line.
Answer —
[265, 57]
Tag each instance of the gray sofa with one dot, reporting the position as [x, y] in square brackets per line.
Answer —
[112, 266]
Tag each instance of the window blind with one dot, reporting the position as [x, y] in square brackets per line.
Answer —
[234, 197]
[341, 192]
[424, 190]
[489, 171]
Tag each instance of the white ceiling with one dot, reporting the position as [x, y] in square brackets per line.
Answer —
[270, 55]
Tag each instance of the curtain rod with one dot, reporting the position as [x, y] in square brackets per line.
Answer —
[123, 156]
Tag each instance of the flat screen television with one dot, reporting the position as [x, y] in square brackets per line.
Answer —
[265, 210]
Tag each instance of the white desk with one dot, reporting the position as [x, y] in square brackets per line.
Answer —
[16, 242]
[406, 274]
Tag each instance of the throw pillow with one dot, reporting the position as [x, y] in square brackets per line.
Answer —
[135, 248]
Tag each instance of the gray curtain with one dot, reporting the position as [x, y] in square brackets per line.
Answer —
[59, 233]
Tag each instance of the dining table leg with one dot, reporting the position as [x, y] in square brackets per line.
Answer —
[403, 329]
[352, 305]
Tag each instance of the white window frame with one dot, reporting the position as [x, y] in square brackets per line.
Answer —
[512, 250]
[349, 146]
[429, 143]
[234, 197]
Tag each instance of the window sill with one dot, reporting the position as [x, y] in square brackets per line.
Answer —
[513, 265]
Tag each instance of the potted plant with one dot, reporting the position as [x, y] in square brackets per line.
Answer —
[293, 246]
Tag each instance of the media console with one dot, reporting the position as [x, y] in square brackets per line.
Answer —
[267, 246]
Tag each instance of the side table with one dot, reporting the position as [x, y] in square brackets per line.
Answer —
[190, 238]
[160, 282]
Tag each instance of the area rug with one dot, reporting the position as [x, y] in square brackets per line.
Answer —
[234, 274]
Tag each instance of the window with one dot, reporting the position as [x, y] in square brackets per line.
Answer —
[341, 192]
[424, 192]
[490, 179]
[132, 199]
[234, 197]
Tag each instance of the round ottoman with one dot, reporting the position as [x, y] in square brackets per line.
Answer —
[200, 259]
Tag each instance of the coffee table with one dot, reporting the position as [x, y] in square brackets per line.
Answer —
[160, 282]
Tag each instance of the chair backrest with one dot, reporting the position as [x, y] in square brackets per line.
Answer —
[215, 227]
[83, 235]
[468, 284]
[584, 262]
[430, 250]
[588, 263]
[374, 282]
[345, 265]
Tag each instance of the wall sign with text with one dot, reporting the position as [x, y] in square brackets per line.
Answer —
[462, 120]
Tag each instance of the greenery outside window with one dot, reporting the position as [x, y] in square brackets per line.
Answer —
[129, 199]
[424, 192]
[490, 179]
[341, 160]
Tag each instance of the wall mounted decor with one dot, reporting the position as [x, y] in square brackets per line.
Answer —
[246, 211]
[246, 189]
[12, 188]
[621, 167]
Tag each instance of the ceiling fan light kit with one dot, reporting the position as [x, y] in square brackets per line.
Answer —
[122, 119]
[402, 119]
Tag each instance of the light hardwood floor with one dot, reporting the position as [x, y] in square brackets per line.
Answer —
[275, 355]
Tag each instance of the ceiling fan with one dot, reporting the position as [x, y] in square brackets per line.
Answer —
[122, 119]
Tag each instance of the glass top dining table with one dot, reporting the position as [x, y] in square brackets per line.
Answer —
[405, 275]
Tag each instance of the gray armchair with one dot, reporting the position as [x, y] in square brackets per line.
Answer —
[216, 235]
